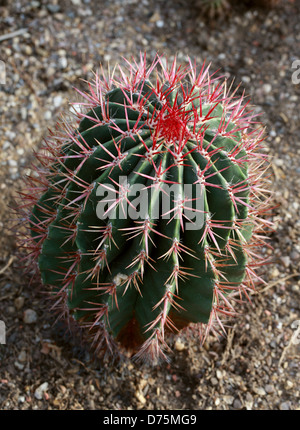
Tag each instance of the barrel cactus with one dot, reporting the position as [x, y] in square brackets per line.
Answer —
[212, 8]
[144, 210]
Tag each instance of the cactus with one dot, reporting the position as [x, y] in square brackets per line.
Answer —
[212, 8]
[215, 8]
[125, 268]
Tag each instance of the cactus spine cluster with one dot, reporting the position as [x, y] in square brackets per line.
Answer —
[134, 271]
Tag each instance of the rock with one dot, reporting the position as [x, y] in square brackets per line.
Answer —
[18, 365]
[285, 406]
[267, 88]
[22, 357]
[295, 255]
[48, 115]
[228, 399]
[92, 406]
[12, 163]
[286, 261]
[275, 273]
[278, 162]
[23, 112]
[160, 23]
[246, 79]
[19, 302]
[237, 404]
[142, 384]
[214, 381]
[260, 391]
[179, 345]
[30, 316]
[27, 50]
[38, 394]
[269, 388]
[219, 374]
[53, 8]
[63, 62]
[92, 388]
[217, 401]
[57, 101]
[140, 397]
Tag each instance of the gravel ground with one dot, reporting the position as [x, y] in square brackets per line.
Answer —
[257, 365]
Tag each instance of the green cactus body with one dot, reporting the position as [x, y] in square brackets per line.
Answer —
[142, 266]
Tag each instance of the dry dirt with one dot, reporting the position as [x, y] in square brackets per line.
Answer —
[257, 365]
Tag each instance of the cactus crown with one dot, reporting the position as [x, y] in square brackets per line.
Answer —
[144, 215]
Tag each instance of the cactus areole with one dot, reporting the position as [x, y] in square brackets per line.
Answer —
[145, 210]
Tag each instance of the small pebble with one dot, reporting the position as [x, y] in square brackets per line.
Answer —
[18, 365]
[63, 62]
[237, 404]
[53, 8]
[19, 302]
[229, 400]
[140, 397]
[38, 394]
[260, 391]
[179, 345]
[275, 273]
[246, 79]
[267, 88]
[22, 356]
[142, 384]
[214, 381]
[12, 163]
[285, 406]
[219, 374]
[295, 255]
[48, 115]
[30, 316]
[92, 406]
[57, 101]
[286, 261]
[92, 388]
[269, 388]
